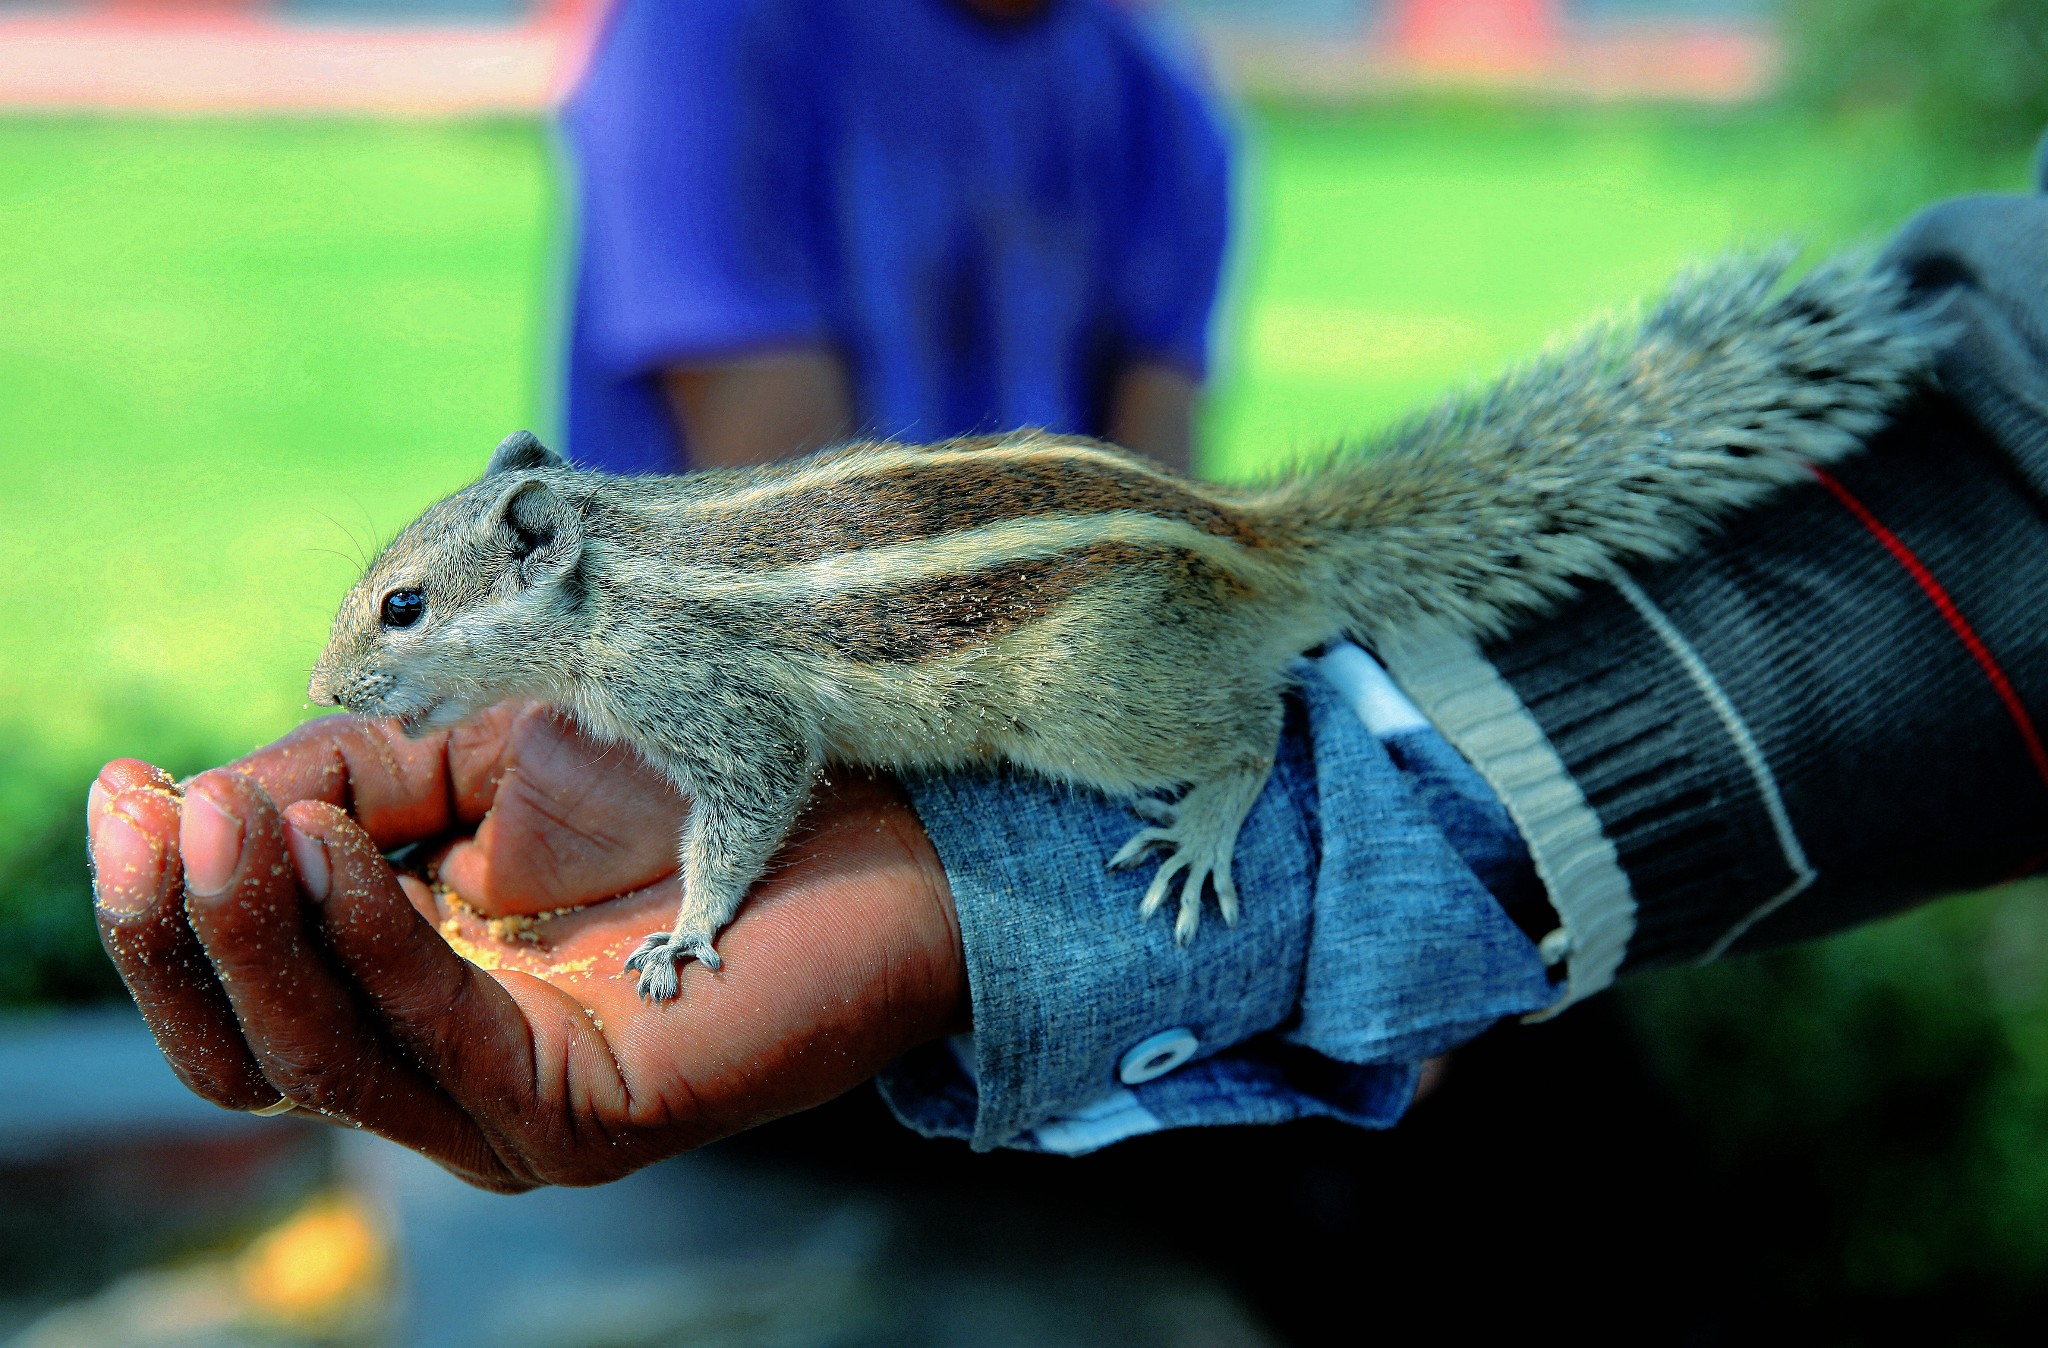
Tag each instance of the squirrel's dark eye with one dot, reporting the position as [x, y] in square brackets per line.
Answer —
[403, 608]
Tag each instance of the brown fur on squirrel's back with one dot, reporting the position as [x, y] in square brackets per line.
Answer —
[1618, 448]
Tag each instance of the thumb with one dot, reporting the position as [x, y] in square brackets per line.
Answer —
[571, 821]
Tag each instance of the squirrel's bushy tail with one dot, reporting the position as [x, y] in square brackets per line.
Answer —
[1621, 447]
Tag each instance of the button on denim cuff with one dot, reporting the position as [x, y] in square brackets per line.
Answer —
[1366, 943]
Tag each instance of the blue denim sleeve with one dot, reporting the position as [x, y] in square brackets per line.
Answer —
[1368, 941]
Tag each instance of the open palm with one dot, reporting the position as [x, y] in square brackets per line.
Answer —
[278, 955]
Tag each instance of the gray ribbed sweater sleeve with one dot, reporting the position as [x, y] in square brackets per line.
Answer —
[1836, 708]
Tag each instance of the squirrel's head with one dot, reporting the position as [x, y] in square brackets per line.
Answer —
[479, 599]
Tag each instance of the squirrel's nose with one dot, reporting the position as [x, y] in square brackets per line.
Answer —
[321, 687]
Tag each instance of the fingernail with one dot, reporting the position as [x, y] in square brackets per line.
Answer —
[309, 854]
[210, 840]
[127, 866]
[95, 806]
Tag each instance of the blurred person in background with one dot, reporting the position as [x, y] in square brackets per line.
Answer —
[803, 220]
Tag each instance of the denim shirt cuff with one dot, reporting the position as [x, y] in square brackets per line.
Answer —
[1352, 958]
[1064, 976]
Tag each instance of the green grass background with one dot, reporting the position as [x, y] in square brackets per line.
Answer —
[234, 353]
[231, 350]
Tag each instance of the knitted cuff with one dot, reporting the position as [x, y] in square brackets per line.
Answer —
[1826, 714]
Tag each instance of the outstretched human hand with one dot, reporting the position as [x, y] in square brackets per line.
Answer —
[279, 958]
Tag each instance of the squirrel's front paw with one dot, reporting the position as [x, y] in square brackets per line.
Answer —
[656, 960]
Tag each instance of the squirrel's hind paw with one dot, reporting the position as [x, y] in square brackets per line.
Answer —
[1200, 830]
[656, 961]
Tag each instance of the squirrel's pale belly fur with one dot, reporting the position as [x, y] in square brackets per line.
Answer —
[1057, 605]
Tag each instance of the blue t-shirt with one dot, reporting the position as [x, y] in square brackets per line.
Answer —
[984, 220]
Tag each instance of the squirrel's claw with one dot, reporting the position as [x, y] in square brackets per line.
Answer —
[1154, 809]
[1143, 841]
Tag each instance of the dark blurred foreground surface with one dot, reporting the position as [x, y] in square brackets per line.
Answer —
[1550, 1180]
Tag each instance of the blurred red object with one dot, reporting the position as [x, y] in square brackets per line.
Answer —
[212, 56]
[1709, 53]
[1478, 35]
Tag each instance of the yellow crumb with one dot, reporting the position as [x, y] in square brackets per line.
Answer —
[503, 931]
[483, 957]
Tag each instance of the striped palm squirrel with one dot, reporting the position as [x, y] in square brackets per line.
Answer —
[1058, 605]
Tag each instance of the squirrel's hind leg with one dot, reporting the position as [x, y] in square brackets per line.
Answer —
[1201, 829]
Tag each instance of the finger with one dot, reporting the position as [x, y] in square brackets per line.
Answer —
[133, 814]
[401, 790]
[571, 821]
[522, 1056]
[308, 1033]
[398, 787]
[119, 776]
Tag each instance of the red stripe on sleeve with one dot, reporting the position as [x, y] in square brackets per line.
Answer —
[1952, 615]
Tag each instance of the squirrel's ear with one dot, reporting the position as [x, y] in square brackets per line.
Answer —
[546, 532]
[522, 449]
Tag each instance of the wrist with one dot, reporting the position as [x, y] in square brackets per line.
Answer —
[887, 897]
[939, 1005]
